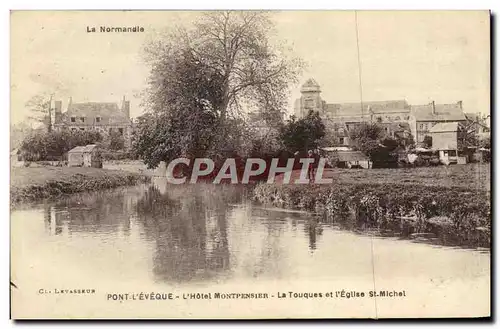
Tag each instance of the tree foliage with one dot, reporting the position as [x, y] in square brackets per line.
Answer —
[366, 138]
[485, 142]
[303, 134]
[467, 136]
[382, 150]
[427, 141]
[47, 145]
[18, 132]
[234, 45]
[40, 107]
[202, 78]
[115, 141]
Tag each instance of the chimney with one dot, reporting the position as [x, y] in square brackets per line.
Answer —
[57, 111]
[460, 104]
[433, 103]
[126, 107]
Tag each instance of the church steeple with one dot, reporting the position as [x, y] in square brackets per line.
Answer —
[310, 100]
[310, 86]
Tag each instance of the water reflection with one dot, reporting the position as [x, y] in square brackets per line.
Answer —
[198, 233]
[189, 230]
[97, 212]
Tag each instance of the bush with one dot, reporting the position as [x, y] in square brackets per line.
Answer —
[400, 208]
[108, 156]
[52, 146]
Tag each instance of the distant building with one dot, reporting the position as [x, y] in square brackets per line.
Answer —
[105, 118]
[397, 117]
[445, 140]
[394, 115]
[85, 156]
[353, 159]
[427, 116]
[478, 124]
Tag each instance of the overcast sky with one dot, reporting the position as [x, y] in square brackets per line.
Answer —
[418, 56]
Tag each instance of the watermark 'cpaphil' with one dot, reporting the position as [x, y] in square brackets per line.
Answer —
[254, 167]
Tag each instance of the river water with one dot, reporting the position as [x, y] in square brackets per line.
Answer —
[203, 238]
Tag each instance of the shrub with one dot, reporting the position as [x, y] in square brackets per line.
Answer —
[401, 208]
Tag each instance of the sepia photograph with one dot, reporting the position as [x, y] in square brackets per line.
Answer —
[250, 164]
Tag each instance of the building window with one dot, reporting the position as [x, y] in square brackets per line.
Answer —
[74, 129]
[309, 104]
[397, 118]
[342, 141]
[82, 119]
[421, 126]
[98, 119]
[73, 119]
[82, 129]
[120, 130]
[407, 117]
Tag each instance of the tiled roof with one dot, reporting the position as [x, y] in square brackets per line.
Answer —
[77, 149]
[351, 156]
[354, 109]
[310, 85]
[395, 126]
[444, 127]
[83, 149]
[442, 112]
[96, 109]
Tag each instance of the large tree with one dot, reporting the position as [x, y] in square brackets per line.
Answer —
[303, 134]
[207, 75]
[40, 107]
[370, 139]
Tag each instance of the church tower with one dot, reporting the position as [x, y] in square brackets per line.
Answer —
[310, 99]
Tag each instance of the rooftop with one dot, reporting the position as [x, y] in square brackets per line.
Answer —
[83, 149]
[351, 156]
[444, 127]
[95, 109]
[368, 108]
[310, 85]
[440, 112]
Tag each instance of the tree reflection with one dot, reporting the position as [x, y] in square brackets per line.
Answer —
[96, 212]
[189, 228]
[313, 229]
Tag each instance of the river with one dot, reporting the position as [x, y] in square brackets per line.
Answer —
[204, 238]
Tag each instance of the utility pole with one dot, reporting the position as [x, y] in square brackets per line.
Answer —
[49, 125]
[359, 66]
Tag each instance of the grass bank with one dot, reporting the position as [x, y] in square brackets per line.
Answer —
[473, 175]
[30, 184]
[451, 215]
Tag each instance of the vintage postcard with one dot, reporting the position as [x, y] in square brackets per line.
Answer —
[250, 164]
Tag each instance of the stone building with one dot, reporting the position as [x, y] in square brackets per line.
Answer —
[397, 117]
[105, 118]
[429, 115]
[394, 115]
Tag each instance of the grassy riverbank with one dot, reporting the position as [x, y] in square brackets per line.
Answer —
[473, 175]
[29, 184]
[450, 210]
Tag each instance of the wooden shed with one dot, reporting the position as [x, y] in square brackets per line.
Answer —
[353, 159]
[85, 156]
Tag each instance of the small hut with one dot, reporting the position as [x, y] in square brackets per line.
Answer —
[85, 156]
[353, 159]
